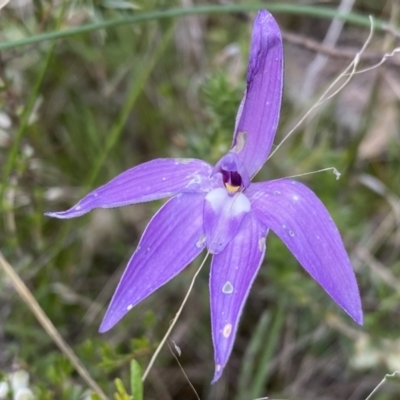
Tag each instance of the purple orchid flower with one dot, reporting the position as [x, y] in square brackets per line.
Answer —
[219, 209]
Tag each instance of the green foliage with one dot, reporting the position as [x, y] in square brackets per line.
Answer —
[76, 112]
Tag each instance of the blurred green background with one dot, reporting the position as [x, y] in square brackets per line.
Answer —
[76, 111]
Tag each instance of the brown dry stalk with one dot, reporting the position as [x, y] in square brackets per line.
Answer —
[28, 298]
[334, 52]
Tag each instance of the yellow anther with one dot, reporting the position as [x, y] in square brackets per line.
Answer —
[232, 189]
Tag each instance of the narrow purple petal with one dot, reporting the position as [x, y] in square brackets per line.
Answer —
[173, 238]
[223, 215]
[258, 114]
[232, 274]
[152, 180]
[303, 223]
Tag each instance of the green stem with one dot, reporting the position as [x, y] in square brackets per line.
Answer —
[322, 12]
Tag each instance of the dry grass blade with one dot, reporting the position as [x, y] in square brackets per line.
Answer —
[3, 3]
[182, 369]
[48, 326]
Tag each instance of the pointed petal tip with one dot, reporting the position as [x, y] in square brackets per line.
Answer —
[56, 214]
[266, 20]
[71, 213]
[113, 315]
[105, 325]
[264, 16]
[357, 315]
[102, 329]
[259, 111]
[218, 373]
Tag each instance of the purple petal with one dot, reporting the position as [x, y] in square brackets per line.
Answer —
[258, 114]
[223, 215]
[232, 274]
[303, 223]
[152, 180]
[173, 238]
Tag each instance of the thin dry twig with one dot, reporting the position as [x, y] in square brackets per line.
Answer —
[352, 67]
[183, 371]
[385, 57]
[48, 326]
[382, 382]
[334, 52]
[378, 268]
[175, 319]
[320, 60]
[333, 169]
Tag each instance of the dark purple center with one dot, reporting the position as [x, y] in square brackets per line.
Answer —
[231, 178]
[234, 173]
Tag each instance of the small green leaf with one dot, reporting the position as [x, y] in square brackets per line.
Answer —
[136, 381]
[121, 391]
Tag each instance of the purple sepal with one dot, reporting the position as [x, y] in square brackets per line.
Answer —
[303, 223]
[163, 177]
[258, 113]
[172, 239]
[223, 216]
[232, 274]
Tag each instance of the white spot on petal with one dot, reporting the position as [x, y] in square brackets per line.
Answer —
[227, 330]
[218, 368]
[201, 241]
[183, 160]
[129, 307]
[291, 233]
[195, 180]
[295, 197]
[77, 207]
[227, 288]
[261, 244]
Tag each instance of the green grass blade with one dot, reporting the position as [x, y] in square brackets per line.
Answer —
[262, 372]
[316, 11]
[254, 348]
[137, 85]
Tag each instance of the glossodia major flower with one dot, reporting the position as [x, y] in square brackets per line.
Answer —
[217, 208]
